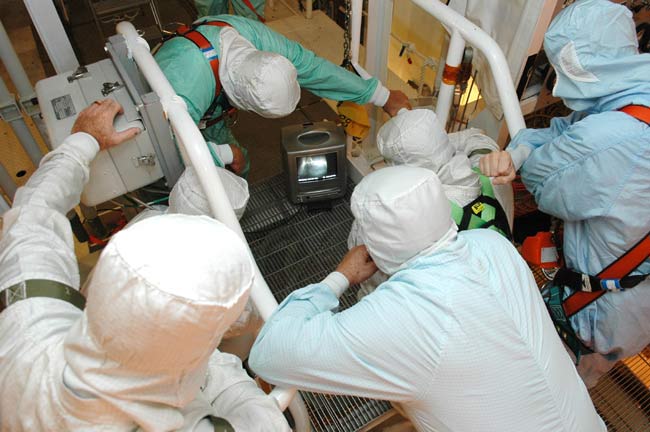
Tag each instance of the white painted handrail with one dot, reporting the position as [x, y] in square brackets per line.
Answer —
[195, 151]
[479, 39]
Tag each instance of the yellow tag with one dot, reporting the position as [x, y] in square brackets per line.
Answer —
[478, 208]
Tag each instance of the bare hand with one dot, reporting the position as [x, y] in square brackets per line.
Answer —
[396, 101]
[357, 265]
[97, 120]
[498, 165]
[238, 160]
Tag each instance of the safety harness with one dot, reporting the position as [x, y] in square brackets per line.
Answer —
[483, 212]
[585, 288]
[212, 56]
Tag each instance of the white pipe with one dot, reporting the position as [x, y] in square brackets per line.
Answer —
[355, 29]
[453, 60]
[52, 34]
[480, 40]
[197, 151]
[14, 67]
[7, 183]
[4, 206]
[10, 112]
[21, 81]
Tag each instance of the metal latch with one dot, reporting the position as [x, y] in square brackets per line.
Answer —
[144, 160]
[110, 87]
[79, 73]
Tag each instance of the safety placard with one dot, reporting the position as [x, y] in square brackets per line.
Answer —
[63, 107]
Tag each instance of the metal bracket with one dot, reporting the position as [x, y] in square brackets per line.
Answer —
[10, 110]
[144, 160]
[30, 106]
[110, 87]
[79, 73]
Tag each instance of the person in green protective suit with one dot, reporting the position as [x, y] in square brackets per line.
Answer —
[259, 70]
[253, 9]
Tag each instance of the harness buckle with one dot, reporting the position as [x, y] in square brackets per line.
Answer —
[613, 285]
[478, 207]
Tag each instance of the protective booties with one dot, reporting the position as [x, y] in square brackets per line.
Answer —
[389, 220]
[259, 81]
[159, 300]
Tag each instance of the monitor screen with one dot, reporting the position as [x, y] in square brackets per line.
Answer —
[316, 168]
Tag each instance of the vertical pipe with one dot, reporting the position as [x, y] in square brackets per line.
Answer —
[52, 34]
[448, 84]
[492, 52]
[7, 183]
[4, 206]
[355, 29]
[21, 81]
[15, 69]
[309, 7]
[17, 123]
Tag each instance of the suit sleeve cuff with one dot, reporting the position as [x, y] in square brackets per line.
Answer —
[380, 96]
[519, 155]
[337, 283]
[80, 146]
[224, 152]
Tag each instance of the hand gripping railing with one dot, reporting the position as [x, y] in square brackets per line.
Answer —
[195, 152]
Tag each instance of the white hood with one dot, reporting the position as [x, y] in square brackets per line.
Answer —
[187, 196]
[400, 212]
[161, 296]
[416, 138]
[259, 81]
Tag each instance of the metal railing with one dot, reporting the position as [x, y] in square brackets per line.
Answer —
[195, 153]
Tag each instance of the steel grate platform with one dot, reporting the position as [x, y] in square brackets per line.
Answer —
[294, 247]
[622, 396]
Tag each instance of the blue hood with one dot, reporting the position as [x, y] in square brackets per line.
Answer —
[593, 47]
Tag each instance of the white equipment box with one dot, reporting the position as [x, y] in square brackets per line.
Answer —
[150, 156]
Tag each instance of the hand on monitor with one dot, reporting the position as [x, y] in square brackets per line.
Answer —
[396, 101]
[97, 120]
[357, 265]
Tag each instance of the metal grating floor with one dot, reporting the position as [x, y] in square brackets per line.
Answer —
[622, 396]
[294, 247]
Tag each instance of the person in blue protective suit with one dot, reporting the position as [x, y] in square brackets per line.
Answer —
[458, 336]
[253, 9]
[232, 61]
[591, 169]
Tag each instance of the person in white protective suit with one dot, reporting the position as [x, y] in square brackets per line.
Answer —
[187, 197]
[142, 352]
[458, 336]
[416, 138]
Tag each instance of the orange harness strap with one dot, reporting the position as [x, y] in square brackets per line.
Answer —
[628, 262]
[252, 8]
[208, 51]
[639, 112]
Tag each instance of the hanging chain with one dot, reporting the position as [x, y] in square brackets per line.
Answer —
[347, 55]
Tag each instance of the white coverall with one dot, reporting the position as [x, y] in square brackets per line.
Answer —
[141, 354]
[459, 335]
[416, 138]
